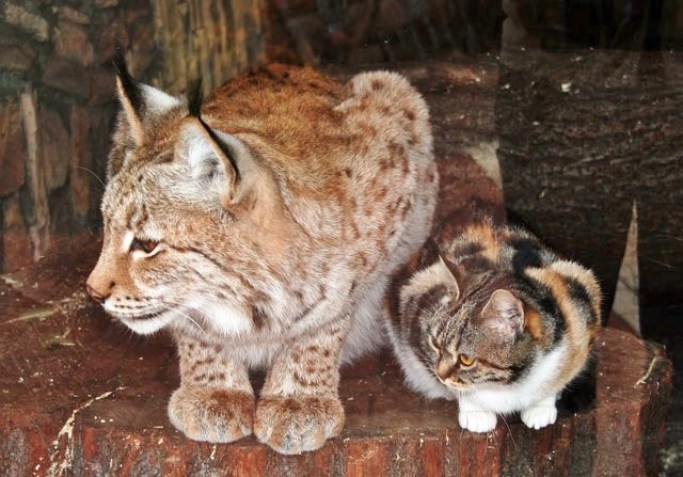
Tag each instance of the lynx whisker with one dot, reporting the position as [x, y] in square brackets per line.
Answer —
[92, 173]
[178, 308]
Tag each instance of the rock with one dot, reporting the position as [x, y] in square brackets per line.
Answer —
[32, 23]
[80, 167]
[11, 150]
[38, 218]
[107, 37]
[106, 3]
[103, 87]
[16, 244]
[66, 76]
[54, 149]
[74, 16]
[72, 42]
[16, 59]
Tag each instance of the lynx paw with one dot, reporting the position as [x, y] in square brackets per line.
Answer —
[213, 415]
[539, 416]
[296, 424]
[477, 421]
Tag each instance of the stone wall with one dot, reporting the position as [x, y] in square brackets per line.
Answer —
[57, 97]
[57, 84]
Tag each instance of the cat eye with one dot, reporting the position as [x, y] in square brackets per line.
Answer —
[147, 246]
[466, 360]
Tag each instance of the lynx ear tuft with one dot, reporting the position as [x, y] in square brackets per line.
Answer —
[128, 90]
[195, 98]
[140, 102]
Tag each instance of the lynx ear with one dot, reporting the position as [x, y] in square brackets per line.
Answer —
[503, 313]
[216, 160]
[140, 102]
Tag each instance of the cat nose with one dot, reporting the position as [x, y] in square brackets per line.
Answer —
[97, 296]
[445, 368]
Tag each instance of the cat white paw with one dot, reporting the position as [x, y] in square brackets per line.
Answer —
[477, 421]
[539, 416]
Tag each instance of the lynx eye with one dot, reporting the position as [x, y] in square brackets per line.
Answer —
[466, 360]
[147, 246]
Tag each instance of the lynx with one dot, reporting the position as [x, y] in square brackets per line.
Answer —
[260, 227]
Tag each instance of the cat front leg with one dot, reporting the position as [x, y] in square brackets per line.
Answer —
[215, 400]
[474, 418]
[299, 407]
[541, 414]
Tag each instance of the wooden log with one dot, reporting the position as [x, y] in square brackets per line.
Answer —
[209, 39]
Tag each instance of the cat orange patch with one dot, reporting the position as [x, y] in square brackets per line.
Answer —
[577, 336]
[533, 323]
[484, 235]
[585, 278]
[558, 288]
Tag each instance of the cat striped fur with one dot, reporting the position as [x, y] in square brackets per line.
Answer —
[488, 315]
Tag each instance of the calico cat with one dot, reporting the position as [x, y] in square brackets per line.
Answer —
[260, 227]
[493, 318]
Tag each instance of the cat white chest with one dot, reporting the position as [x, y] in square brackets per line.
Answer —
[536, 386]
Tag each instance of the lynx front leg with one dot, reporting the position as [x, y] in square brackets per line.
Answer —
[215, 401]
[299, 408]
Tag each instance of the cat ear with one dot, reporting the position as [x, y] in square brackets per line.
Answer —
[139, 102]
[452, 275]
[215, 159]
[504, 313]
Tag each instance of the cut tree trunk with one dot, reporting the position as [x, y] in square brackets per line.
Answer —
[80, 396]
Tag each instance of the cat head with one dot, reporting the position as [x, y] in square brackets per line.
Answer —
[179, 198]
[468, 325]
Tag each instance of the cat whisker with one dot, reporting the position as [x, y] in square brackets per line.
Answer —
[512, 438]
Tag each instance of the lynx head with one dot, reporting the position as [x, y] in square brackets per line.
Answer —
[179, 197]
[470, 327]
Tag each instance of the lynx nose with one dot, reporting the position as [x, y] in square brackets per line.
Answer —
[97, 296]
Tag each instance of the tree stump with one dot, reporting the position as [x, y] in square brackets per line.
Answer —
[81, 396]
